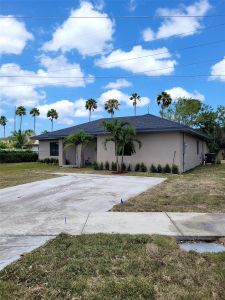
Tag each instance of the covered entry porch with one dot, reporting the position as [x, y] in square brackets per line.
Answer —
[80, 155]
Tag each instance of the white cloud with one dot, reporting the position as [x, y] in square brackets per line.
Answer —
[181, 26]
[132, 5]
[148, 34]
[25, 90]
[88, 36]
[217, 70]
[177, 92]
[122, 98]
[119, 83]
[13, 36]
[152, 62]
[68, 110]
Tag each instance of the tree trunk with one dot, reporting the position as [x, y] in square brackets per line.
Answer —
[121, 167]
[89, 115]
[34, 123]
[21, 122]
[117, 162]
[4, 131]
[135, 109]
[52, 124]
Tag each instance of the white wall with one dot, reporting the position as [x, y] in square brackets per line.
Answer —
[44, 149]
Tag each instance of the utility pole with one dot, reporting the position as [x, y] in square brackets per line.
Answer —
[15, 119]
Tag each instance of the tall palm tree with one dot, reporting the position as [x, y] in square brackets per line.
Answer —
[52, 115]
[3, 122]
[79, 138]
[111, 105]
[35, 113]
[135, 98]
[91, 105]
[21, 111]
[164, 99]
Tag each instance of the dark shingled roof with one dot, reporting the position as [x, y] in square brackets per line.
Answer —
[144, 123]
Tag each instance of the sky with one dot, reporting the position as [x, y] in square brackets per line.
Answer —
[59, 53]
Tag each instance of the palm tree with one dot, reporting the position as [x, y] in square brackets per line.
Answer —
[20, 138]
[3, 122]
[114, 128]
[34, 112]
[79, 138]
[127, 139]
[164, 99]
[135, 98]
[21, 111]
[52, 115]
[111, 105]
[91, 105]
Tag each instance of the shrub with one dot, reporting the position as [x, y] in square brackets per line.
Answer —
[159, 168]
[123, 167]
[49, 160]
[113, 166]
[153, 169]
[107, 165]
[17, 156]
[137, 168]
[143, 167]
[167, 169]
[95, 166]
[175, 169]
[101, 166]
[129, 168]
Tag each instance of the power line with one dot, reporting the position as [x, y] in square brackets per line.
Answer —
[122, 77]
[116, 48]
[114, 17]
[112, 62]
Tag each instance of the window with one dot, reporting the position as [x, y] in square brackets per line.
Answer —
[54, 149]
[128, 151]
[197, 143]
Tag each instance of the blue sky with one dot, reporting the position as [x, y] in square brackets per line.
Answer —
[60, 60]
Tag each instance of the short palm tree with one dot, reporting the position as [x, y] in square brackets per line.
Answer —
[34, 112]
[135, 98]
[114, 128]
[20, 138]
[79, 138]
[111, 105]
[164, 99]
[128, 139]
[91, 105]
[52, 115]
[3, 122]
[21, 111]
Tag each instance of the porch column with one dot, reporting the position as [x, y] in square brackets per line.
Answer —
[61, 153]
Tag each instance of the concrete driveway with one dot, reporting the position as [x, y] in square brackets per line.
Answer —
[31, 213]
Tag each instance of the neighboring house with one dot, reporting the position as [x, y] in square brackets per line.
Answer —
[163, 142]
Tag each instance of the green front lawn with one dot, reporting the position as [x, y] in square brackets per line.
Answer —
[114, 267]
[200, 190]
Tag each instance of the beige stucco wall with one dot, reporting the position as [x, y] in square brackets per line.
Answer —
[191, 158]
[157, 148]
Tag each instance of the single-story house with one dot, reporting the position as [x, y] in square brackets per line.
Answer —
[163, 142]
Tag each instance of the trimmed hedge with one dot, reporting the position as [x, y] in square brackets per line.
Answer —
[18, 156]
